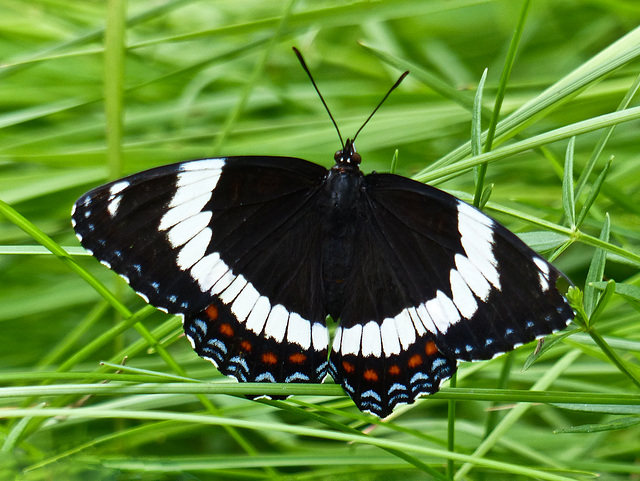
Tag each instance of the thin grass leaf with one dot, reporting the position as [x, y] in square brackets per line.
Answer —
[563, 247]
[18, 117]
[603, 301]
[561, 133]
[485, 196]
[419, 73]
[602, 408]
[451, 428]
[619, 53]
[476, 117]
[596, 270]
[506, 73]
[568, 200]
[68, 343]
[339, 15]
[613, 356]
[480, 171]
[629, 292]
[18, 64]
[542, 241]
[616, 424]
[46, 241]
[593, 193]
[482, 194]
[602, 141]
[252, 79]
[394, 162]
[507, 422]
[114, 84]
[503, 382]
[545, 345]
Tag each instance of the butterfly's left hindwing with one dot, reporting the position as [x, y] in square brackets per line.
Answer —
[217, 240]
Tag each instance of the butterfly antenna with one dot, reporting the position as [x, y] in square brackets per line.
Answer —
[306, 69]
[398, 82]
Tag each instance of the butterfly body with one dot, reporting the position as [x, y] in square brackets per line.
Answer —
[342, 198]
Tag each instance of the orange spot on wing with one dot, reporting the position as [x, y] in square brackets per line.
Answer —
[394, 370]
[415, 361]
[246, 346]
[371, 375]
[348, 367]
[212, 312]
[269, 358]
[226, 329]
[431, 349]
[298, 358]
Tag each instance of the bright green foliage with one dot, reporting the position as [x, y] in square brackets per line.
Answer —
[95, 90]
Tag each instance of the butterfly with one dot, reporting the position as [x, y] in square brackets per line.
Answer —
[255, 252]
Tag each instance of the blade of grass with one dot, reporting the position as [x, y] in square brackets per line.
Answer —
[611, 58]
[593, 193]
[506, 73]
[114, 51]
[451, 428]
[43, 239]
[272, 427]
[568, 201]
[518, 411]
[12, 66]
[476, 140]
[565, 132]
[602, 141]
[497, 106]
[601, 303]
[596, 270]
[252, 80]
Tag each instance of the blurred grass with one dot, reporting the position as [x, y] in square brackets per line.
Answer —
[186, 67]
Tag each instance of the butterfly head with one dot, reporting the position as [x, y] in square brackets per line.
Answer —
[348, 155]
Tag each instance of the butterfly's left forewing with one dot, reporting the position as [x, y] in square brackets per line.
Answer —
[435, 281]
[218, 241]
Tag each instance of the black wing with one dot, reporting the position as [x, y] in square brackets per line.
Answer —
[435, 281]
[228, 243]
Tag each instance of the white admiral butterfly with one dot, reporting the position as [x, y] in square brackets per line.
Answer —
[255, 252]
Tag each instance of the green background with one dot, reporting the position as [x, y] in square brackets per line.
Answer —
[86, 96]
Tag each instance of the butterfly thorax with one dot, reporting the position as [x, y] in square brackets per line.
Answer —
[342, 195]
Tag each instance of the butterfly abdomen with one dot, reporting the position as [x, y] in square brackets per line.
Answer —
[342, 195]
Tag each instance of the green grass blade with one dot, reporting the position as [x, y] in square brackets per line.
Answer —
[593, 193]
[617, 54]
[568, 200]
[540, 140]
[506, 73]
[114, 83]
[476, 140]
[596, 271]
[602, 141]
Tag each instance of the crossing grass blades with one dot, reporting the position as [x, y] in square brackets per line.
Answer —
[255, 252]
